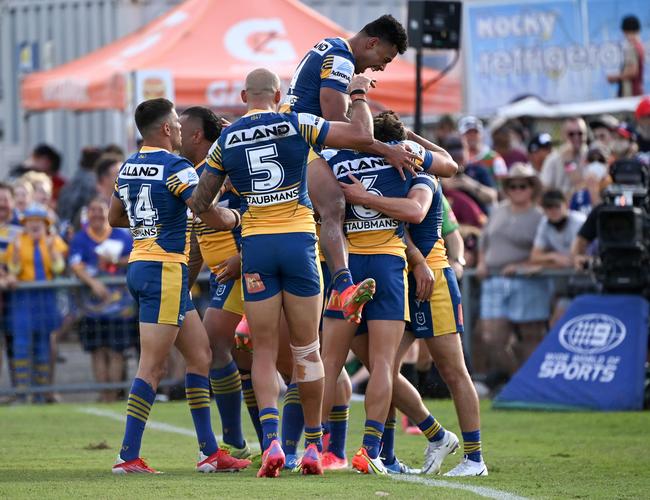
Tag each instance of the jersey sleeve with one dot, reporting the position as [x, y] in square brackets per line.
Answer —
[213, 162]
[425, 157]
[313, 128]
[182, 179]
[424, 181]
[336, 70]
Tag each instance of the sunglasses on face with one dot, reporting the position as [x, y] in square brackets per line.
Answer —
[574, 133]
[515, 187]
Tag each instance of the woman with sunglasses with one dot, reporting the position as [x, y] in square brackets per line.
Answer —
[514, 307]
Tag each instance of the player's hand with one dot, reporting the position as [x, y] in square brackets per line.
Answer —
[361, 82]
[581, 262]
[424, 281]
[458, 269]
[355, 193]
[225, 123]
[402, 159]
[229, 269]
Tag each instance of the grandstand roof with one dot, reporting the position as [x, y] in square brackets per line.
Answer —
[208, 47]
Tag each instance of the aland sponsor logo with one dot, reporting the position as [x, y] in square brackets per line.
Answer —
[142, 171]
[260, 133]
[592, 334]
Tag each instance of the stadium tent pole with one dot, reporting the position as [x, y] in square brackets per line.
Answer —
[418, 91]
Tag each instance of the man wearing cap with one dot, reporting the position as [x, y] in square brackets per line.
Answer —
[603, 128]
[563, 169]
[630, 79]
[539, 147]
[555, 234]
[471, 131]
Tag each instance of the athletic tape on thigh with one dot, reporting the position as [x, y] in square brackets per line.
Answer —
[307, 370]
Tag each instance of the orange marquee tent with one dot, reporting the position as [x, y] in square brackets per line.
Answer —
[208, 47]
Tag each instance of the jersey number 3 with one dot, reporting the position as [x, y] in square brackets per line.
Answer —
[143, 211]
[266, 173]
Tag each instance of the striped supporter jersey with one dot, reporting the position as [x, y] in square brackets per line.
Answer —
[153, 185]
[217, 246]
[367, 230]
[265, 155]
[330, 64]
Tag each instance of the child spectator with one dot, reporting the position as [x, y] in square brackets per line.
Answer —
[35, 255]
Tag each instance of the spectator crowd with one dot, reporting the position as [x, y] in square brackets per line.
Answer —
[520, 204]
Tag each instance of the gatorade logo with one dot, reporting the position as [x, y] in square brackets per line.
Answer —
[592, 334]
[261, 40]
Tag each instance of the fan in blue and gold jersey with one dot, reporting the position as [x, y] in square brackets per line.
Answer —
[152, 194]
[219, 250]
[436, 317]
[265, 156]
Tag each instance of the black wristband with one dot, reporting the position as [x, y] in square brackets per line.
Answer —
[358, 91]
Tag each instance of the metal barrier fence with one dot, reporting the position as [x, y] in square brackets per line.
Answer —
[59, 338]
[470, 287]
[90, 338]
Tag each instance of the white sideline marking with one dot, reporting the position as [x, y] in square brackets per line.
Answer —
[435, 483]
[439, 483]
[151, 424]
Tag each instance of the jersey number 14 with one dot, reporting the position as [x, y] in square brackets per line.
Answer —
[142, 212]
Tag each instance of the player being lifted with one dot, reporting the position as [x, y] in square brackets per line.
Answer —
[319, 87]
[265, 156]
[152, 193]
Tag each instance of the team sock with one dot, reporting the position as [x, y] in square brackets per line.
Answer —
[432, 429]
[472, 445]
[138, 406]
[251, 403]
[270, 419]
[227, 388]
[197, 393]
[314, 435]
[372, 437]
[338, 426]
[388, 442]
[292, 420]
[341, 280]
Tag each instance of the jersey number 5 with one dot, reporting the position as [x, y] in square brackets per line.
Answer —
[143, 211]
[260, 161]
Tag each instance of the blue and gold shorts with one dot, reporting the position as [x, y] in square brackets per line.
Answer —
[272, 263]
[160, 290]
[442, 313]
[227, 296]
[391, 296]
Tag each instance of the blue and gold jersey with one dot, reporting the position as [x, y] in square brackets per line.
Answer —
[217, 246]
[153, 185]
[265, 155]
[427, 235]
[369, 231]
[330, 64]
[8, 233]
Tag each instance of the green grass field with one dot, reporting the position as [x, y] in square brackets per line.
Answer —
[53, 452]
